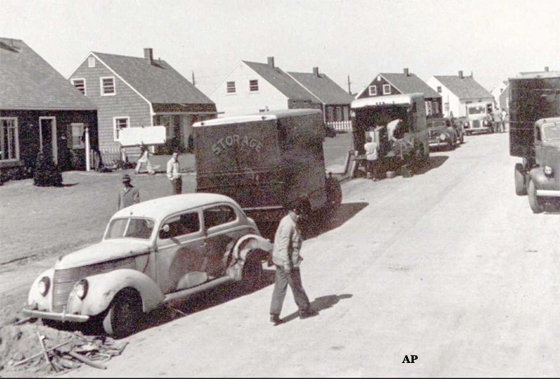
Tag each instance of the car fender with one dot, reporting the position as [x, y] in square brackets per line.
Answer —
[246, 245]
[35, 299]
[540, 180]
[102, 289]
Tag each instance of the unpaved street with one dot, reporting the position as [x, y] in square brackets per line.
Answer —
[449, 265]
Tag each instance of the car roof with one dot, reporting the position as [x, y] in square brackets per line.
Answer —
[161, 207]
[548, 120]
[262, 116]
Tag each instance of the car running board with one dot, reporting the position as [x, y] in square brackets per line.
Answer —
[194, 290]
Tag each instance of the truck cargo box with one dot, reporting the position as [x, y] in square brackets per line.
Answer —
[532, 98]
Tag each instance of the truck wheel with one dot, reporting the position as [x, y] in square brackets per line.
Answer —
[334, 194]
[534, 201]
[520, 188]
[124, 314]
[251, 274]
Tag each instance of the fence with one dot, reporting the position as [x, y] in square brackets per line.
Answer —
[340, 126]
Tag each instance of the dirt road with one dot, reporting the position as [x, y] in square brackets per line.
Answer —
[449, 266]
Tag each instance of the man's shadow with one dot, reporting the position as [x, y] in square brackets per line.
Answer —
[318, 305]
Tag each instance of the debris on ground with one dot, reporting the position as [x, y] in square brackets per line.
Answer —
[38, 350]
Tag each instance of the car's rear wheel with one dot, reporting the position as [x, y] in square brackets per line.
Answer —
[251, 274]
[124, 314]
[520, 187]
[534, 201]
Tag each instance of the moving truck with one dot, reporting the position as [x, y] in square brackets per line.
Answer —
[265, 161]
[535, 136]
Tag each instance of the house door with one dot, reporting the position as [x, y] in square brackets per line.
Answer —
[47, 137]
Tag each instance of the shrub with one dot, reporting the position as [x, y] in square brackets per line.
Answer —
[47, 173]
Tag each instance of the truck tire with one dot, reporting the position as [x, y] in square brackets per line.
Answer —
[520, 187]
[534, 201]
[124, 314]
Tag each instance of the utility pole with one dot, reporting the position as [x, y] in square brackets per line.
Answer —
[349, 88]
[193, 81]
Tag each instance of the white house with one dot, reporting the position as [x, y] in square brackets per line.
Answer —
[459, 91]
[258, 87]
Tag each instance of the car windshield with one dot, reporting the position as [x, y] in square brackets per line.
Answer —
[130, 228]
[551, 132]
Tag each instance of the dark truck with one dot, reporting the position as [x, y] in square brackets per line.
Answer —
[535, 136]
[265, 161]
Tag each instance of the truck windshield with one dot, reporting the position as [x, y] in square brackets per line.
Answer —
[477, 110]
[551, 132]
[130, 228]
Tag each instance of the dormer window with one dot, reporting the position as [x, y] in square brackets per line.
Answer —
[372, 90]
[386, 89]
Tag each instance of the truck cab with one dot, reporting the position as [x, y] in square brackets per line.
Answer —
[478, 119]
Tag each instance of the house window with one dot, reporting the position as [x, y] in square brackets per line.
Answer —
[253, 85]
[438, 89]
[428, 108]
[91, 62]
[230, 87]
[77, 133]
[120, 123]
[80, 85]
[372, 90]
[386, 89]
[436, 107]
[9, 140]
[107, 86]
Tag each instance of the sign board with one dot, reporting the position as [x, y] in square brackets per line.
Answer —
[147, 135]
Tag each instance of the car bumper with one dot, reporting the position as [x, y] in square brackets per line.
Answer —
[478, 130]
[439, 144]
[548, 193]
[63, 317]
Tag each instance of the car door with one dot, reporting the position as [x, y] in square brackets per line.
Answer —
[223, 228]
[181, 257]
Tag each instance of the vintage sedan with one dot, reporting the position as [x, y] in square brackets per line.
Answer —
[152, 253]
[442, 134]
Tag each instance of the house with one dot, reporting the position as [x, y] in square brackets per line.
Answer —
[258, 87]
[40, 111]
[500, 97]
[396, 83]
[334, 100]
[459, 91]
[133, 92]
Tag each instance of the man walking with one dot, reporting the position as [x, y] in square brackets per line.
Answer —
[128, 195]
[286, 258]
[174, 175]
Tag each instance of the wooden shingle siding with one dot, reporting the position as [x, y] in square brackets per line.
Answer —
[125, 103]
[379, 84]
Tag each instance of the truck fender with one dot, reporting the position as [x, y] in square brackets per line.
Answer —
[250, 245]
[35, 299]
[538, 177]
[103, 288]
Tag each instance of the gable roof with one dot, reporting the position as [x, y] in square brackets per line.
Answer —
[282, 81]
[464, 88]
[157, 82]
[410, 84]
[29, 82]
[322, 87]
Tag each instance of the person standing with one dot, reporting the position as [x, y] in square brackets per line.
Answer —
[287, 258]
[144, 159]
[371, 158]
[174, 175]
[128, 195]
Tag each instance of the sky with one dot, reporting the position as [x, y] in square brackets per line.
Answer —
[492, 39]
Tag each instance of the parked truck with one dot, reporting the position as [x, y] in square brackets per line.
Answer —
[398, 124]
[265, 161]
[535, 137]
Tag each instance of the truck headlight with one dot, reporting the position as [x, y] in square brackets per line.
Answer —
[548, 171]
[44, 285]
[442, 137]
[466, 125]
[82, 288]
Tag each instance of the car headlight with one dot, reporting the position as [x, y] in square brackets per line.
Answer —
[44, 285]
[466, 124]
[548, 171]
[442, 137]
[82, 288]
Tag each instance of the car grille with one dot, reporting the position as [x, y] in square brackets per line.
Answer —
[64, 280]
[476, 123]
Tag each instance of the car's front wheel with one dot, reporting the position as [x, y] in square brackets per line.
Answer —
[534, 201]
[520, 187]
[124, 314]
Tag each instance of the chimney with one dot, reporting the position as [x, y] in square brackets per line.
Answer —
[271, 61]
[406, 72]
[316, 71]
[149, 55]
[546, 69]
[460, 74]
